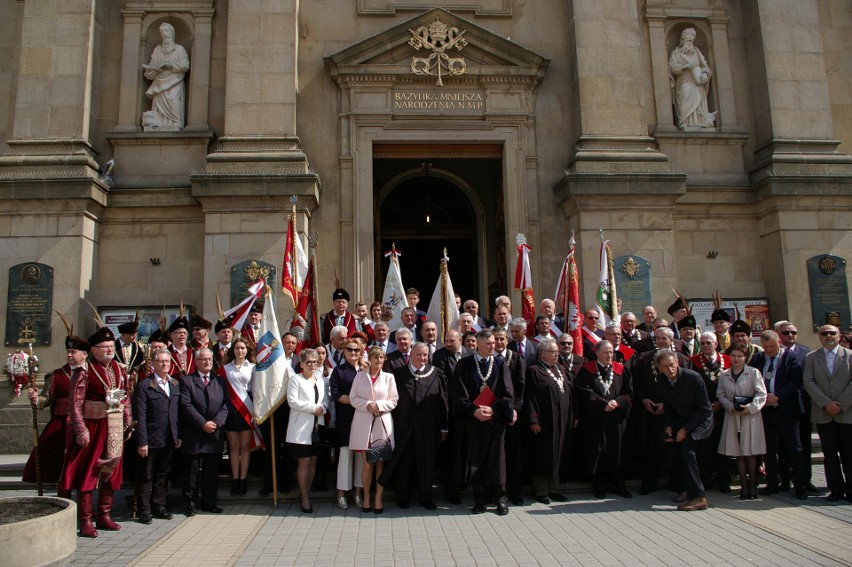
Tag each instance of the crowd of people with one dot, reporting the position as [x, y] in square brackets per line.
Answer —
[494, 404]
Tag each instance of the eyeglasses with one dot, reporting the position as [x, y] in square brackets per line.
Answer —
[311, 362]
[105, 347]
[790, 333]
[591, 317]
[827, 333]
[566, 343]
[353, 350]
[706, 342]
[161, 361]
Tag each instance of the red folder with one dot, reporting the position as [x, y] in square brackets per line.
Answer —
[485, 398]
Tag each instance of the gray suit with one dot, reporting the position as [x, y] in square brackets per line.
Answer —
[835, 431]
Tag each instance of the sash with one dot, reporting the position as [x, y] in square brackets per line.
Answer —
[590, 335]
[242, 402]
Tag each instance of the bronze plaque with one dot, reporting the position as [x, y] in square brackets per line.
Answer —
[245, 274]
[29, 304]
[633, 283]
[829, 291]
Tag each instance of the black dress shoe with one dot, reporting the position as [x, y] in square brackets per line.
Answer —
[645, 490]
[428, 504]
[308, 510]
[558, 497]
[801, 493]
[516, 501]
[502, 508]
[478, 509]
[724, 488]
[162, 515]
[811, 488]
[452, 498]
[190, 511]
[784, 486]
[211, 509]
[543, 499]
[834, 497]
[769, 490]
[404, 504]
[599, 493]
[378, 510]
[623, 492]
[366, 510]
[145, 519]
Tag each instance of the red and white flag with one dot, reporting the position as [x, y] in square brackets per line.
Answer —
[305, 323]
[240, 310]
[568, 297]
[523, 282]
[289, 269]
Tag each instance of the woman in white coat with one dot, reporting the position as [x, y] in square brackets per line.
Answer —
[742, 394]
[308, 398]
[373, 396]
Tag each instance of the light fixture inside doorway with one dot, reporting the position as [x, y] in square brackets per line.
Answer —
[428, 209]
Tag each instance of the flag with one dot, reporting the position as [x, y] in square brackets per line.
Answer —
[289, 269]
[305, 323]
[394, 294]
[240, 310]
[606, 297]
[568, 297]
[272, 373]
[523, 282]
[301, 262]
[443, 310]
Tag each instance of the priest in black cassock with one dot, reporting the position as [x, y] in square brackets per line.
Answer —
[419, 425]
[604, 391]
[481, 392]
[547, 407]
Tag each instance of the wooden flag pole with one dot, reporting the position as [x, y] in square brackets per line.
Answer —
[274, 472]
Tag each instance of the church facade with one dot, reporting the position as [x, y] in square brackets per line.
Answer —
[723, 160]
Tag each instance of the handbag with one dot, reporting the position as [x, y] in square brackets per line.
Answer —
[380, 450]
[741, 401]
[323, 436]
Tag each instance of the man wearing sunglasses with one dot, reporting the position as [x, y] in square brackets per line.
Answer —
[828, 381]
[789, 335]
[591, 333]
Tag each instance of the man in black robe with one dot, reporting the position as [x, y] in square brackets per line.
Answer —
[482, 392]
[420, 426]
[515, 435]
[567, 359]
[688, 420]
[604, 391]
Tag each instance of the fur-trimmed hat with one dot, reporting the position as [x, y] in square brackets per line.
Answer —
[340, 293]
[102, 335]
[128, 328]
[740, 326]
[179, 323]
[720, 315]
[200, 322]
[687, 322]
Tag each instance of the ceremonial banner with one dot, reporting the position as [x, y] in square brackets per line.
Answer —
[305, 323]
[523, 282]
[394, 294]
[240, 311]
[567, 297]
[606, 297]
[443, 309]
[289, 270]
[272, 373]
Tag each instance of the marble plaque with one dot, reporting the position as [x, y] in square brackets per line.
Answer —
[245, 274]
[829, 291]
[29, 304]
[633, 283]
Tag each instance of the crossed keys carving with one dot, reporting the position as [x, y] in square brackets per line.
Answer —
[439, 38]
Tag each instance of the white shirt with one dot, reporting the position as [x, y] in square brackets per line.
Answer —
[163, 384]
[830, 356]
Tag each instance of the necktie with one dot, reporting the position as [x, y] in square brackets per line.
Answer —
[405, 356]
[771, 365]
[337, 357]
[500, 357]
[687, 348]
[483, 365]
[206, 380]
[521, 348]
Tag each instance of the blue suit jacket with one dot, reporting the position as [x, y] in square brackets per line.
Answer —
[788, 382]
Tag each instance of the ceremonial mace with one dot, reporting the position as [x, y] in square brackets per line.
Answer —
[37, 451]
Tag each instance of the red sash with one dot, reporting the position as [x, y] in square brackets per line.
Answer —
[240, 406]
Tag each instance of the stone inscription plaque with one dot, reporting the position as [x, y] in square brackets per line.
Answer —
[829, 291]
[439, 101]
[633, 283]
[28, 305]
[245, 274]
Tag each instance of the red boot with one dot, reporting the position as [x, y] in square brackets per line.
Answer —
[104, 506]
[84, 514]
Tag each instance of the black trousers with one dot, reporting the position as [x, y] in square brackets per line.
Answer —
[413, 467]
[514, 459]
[836, 439]
[782, 436]
[805, 430]
[284, 463]
[683, 468]
[209, 477]
[152, 475]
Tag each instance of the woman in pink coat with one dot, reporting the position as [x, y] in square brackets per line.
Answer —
[373, 396]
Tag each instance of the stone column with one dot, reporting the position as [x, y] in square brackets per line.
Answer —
[660, 67]
[726, 104]
[129, 110]
[199, 78]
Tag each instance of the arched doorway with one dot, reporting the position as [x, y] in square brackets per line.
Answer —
[427, 206]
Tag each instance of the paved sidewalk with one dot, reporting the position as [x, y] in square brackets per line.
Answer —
[644, 530]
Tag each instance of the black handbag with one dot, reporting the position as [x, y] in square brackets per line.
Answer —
[379, 450]
[323, 436]
[741, 401]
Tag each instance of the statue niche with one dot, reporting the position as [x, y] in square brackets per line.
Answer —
[690, 80]
[166, 71]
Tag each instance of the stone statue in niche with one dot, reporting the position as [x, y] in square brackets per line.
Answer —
[690, 85]
[168, 66]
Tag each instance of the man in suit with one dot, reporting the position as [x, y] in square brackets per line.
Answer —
[649, 315]
[472, 307]
[410, 321]
[446, 357]
[547, 307]
[429, 330]
[567, 359]
[827, 377]
[483, 448]
[687, 329]
[381, 332]
[337, 340]
[788, 333]
[590, 333]
[520, 344]
[630, 335]
[514, 433]
[782, 374]
[501, 318]
[155, 409]
[204, 408]
[402, 355]
[127, 350]
[687, 420]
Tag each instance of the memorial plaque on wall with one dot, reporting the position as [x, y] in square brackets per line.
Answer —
[29, 304]
[245, 274]
[829, 291]
[633, 283]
